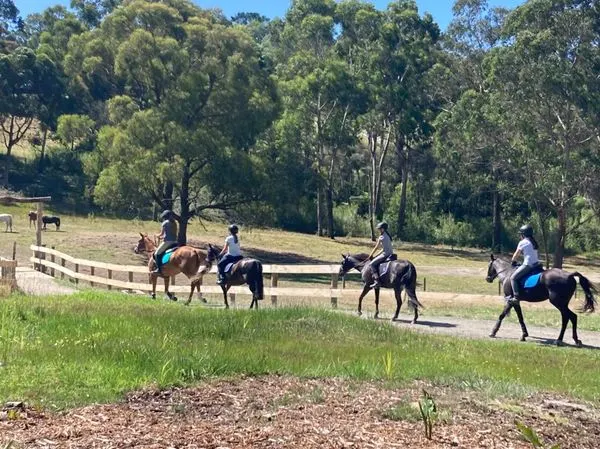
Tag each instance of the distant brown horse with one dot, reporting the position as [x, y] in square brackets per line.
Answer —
[32, 218]
[188, 260]
[46, 219]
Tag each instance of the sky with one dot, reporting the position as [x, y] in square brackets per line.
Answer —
[441, 10]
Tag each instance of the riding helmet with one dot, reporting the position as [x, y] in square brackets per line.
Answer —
[526, 230]
[166, 214]
[233, 229]
[383, 225]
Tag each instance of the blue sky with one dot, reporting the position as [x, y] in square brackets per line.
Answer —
[440, 9]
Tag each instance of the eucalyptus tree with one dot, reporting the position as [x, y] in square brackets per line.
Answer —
[186, 98]
[547, 81]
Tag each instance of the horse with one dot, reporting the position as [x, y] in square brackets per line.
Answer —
[246, 271]
[32, 215]
[555, 284]
[401, 274]
[8, 219]
[49, 220]
[185, 259]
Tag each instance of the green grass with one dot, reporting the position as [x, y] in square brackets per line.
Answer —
[62, 352]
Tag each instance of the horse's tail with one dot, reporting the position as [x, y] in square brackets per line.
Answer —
[409, 280]
[589, 289]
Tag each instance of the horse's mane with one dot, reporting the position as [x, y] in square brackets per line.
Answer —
[360, 256]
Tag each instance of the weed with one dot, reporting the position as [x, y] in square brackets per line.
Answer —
[532, 437]
[428, 410]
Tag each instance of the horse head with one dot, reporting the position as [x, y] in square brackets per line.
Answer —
[144, 245]
[348, 263]
[212, 254]
[496, 268]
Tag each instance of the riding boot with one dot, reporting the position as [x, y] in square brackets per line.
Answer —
[220, 279]
[156, 266]
[376, 281]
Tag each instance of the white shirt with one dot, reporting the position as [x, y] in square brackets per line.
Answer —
[233, 249]
[386, 244]
[530, 255]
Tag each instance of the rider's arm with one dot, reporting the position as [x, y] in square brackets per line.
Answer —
[516, 255]
[375, 249]
[224, 250]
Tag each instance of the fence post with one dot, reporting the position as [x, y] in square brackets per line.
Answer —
[43, 257]
[92, 272]
[62, 264]
[334, 284]
[52, 260]
[130, 279]
[274, 279]
[14, 254]
[109, 275]
[76, 271]
[424, 284]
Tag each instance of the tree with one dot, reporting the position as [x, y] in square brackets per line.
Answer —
[184, 79]
[74, 129]
[91, 12]
[552, 60]
[9, 22]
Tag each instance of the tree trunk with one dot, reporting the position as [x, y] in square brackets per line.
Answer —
[329, 198]
[168, 195]
[561, 232]
[319, 211]
[402, 152]
[184, 198]
[43, 149]
[496, 222]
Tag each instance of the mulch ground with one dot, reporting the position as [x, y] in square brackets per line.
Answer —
[278, 412]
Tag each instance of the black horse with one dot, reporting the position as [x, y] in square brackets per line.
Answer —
[246, 271]
[48, 219]
[556, 285]
[401, 274]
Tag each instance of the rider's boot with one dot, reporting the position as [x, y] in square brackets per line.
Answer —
[156, 266]
[220, 279]
[376, 281]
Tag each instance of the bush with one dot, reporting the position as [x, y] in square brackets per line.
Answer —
[348, 222]
[454, 233]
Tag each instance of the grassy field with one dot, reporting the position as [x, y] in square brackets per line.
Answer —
[61, 352]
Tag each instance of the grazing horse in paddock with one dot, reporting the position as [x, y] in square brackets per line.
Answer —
[49, 220]
[556, 285]
[32, 215]
[8, 219]
[245, 271]
[396, 274]
[188, 260]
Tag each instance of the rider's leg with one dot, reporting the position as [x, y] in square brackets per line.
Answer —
[375, 269]
[158, 255]
[516, 277]
[221, 269]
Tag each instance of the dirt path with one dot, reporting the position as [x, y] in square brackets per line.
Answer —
[35, 283]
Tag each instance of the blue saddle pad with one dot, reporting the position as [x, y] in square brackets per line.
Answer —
[532, 280]
[167, 256]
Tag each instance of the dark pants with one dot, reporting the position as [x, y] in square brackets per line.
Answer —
[516, 277]
[226, 260]
[375, 264]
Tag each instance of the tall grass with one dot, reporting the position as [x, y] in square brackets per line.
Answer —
[60, 352]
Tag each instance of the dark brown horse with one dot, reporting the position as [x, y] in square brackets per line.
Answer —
[556, 285]
[188, 260]
[401, 274]
[246, 271]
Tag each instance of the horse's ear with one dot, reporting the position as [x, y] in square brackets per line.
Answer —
[141, 235]
[492, 257]
[343, 256]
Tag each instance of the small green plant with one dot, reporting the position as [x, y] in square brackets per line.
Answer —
[428, 410]
[532, 437]
[388, 365]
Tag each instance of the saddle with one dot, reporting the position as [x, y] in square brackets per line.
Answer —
[383, 267]
[532, 279]
[167, 255]
[229, 267]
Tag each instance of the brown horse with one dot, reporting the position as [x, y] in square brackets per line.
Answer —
[188, 260]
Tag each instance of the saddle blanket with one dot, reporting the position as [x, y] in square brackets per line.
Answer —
[532, 280]
[167, 256]
[228, 267]
[383, 268]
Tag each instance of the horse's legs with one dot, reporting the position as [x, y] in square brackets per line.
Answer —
[225, 288]
[573, 317]
[153, 279]
[360, 298]
[192, 287]
[507, 308]
[524, 333]
[170, 295]
[398, 295]
[557, 302]
[376, 303]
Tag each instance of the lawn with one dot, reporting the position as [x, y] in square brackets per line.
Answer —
[61, 352]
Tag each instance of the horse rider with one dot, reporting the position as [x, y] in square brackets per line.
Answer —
[528, 248]
[231, 252]
[168, 235]
[384, 242]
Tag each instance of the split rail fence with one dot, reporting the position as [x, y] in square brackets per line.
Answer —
[8, 269]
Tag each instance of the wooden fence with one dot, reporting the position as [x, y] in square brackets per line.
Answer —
[8, 269]
[95, 273]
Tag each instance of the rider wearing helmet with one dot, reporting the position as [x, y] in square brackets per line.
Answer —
[528, 248]
[384, 242]
[168, 235]
[231, 252]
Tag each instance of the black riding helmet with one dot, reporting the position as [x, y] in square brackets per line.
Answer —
[166, 214]
[233, 229]
[383, 225]
[526, 230]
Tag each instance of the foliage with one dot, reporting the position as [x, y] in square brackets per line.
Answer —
[532, 437]
[428, 409]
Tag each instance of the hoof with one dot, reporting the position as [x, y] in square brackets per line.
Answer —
[413, 322]
[152, 296]
[559, 343]
[492, 335]
[523, 337]
[376, 316]
[203, 300]
[578, 343]
[359, 313]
